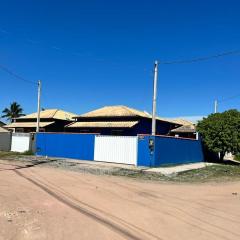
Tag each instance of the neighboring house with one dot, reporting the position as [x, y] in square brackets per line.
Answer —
[186, 131]
[1, 124]
[5, 138]
[119, 120]
[51, 120]
[3, 130]
[182, 121]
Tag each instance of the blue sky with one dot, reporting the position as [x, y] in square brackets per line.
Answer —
[94, 53]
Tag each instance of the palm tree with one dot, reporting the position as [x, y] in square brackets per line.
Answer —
[14, 111]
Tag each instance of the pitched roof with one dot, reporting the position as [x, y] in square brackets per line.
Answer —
[120, 111]
[115, 111]
[27, 124]
[107, 124]
[182, 121]
[185, 129]
[51, 114]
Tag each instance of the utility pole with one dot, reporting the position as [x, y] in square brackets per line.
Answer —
[154, 98]
[215, 106]
[38, 105]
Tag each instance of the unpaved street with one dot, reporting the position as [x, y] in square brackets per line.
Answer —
[49, 203]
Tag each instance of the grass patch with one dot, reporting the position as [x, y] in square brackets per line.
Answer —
[219, 172]
[29, 152]
[9, 154]
[4, 154]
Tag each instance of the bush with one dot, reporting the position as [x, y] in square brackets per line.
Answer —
[237, 157]
[220, 132]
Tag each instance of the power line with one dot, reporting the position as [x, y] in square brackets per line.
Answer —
[229, 98]
[15, 75]
[201, 59]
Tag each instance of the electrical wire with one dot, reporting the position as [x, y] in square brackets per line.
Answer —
[229, 98]
[15, 75]
[201, 59]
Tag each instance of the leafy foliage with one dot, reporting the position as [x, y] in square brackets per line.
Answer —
[221, 132]
[14, 111]
[237, 157]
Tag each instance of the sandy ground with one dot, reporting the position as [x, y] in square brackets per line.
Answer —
[49, 203]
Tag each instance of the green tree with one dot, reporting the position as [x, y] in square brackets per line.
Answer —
[14, 111]
[221, 132]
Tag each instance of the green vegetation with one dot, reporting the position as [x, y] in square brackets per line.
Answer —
[13, 111]
[228, 171]
[8, 154]
[237, 157]
[29, 152]
[221, 132]
[13, 155]
[218, 172]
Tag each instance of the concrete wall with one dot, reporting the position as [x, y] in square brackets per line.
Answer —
[164, 150]
[66, 145]
[168, 151]
[5, 141]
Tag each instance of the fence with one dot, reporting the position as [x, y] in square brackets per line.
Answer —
[67, 145]
[5, 141]
[148, 151]
[161, 150]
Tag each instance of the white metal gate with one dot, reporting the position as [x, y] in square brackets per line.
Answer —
[116, 149]
[20, 142]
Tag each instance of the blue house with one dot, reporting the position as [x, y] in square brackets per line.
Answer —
[119, 120]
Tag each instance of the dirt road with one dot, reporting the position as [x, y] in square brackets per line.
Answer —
[47, 203]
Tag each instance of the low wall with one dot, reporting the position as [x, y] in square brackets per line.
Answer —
[151, 151]
[21, 142]
[5, 141]
[66, 145]
[168, 151]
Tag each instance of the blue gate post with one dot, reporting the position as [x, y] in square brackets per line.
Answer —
[145, 154]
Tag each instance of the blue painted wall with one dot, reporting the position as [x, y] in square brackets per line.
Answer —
[78, 146]
[168, 151]
[145, 157]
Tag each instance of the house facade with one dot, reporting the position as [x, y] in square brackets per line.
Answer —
[119, 120]
[1, 124]
[3, 130]
[51, 120]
